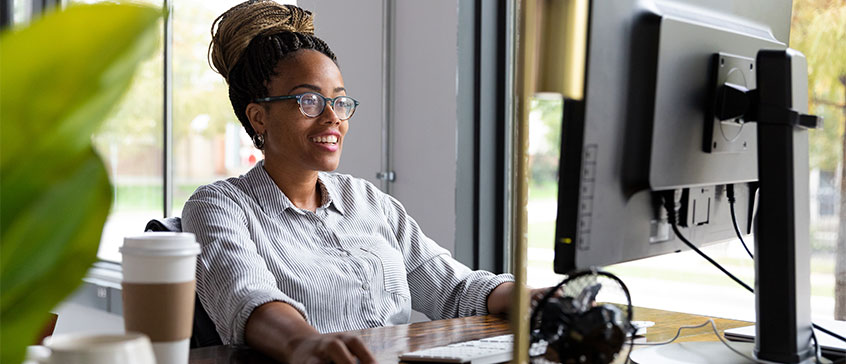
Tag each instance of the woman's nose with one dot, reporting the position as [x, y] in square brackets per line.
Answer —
[329, 116]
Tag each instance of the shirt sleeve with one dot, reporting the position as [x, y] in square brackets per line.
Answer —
[441, 287]
[232, 278]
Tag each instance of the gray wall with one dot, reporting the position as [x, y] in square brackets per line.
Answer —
[423, 102]
[353, 30]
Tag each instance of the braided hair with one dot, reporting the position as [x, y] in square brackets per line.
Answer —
[250, 40]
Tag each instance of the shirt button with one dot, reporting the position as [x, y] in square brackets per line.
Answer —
[365, 286]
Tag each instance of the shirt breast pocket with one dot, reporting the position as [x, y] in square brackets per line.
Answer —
[393, 268]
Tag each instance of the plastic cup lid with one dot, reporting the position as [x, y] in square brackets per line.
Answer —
[161, 244]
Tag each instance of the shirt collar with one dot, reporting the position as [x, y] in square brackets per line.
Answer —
[267, 193]
[332, 195]
[274, 201]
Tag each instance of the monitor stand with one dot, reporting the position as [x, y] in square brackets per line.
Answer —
[713, 352]
[782, 259]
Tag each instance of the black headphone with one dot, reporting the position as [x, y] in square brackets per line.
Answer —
[577, 329]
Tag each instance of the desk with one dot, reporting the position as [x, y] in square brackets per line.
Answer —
[387, 343]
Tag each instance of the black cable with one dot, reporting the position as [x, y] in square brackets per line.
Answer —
[669, 205]
[827, 331]
[817, 351]
[694, 248]
[730, 194]
[731, 199]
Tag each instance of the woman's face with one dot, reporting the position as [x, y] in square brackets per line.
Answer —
[294, 139]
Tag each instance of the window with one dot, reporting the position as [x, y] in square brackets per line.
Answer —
[544, 150]
[208, 141]
[130, 143]
[22, 9]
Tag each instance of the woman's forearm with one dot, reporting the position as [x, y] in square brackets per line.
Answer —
[274, 327]
[499, 300]
[278, 330]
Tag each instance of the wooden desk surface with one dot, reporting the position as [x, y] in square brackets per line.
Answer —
[387, 343]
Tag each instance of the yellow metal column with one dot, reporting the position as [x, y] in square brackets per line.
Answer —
[525, 48]
[550, 52]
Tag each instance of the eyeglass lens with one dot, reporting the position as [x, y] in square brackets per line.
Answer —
[313, 104]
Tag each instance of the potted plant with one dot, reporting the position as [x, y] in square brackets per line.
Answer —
[59, 78]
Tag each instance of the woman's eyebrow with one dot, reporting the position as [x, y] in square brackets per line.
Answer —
[316, 88]
[306, 85]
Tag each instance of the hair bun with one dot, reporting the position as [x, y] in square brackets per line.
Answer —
[238, 26]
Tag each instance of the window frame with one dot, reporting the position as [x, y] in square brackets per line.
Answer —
[482, 187]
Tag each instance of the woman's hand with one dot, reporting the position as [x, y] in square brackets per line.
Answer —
[499, 300]
[536, 294]
[278, 330]
[337, 348]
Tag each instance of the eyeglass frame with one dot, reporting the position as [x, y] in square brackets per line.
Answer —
[326, 101]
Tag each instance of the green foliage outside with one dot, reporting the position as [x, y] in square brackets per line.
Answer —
[59, 78]
[818, 29]
[129, 197]
[543, 163]
[131, 139]
[197, 89]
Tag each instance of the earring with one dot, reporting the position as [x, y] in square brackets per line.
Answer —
[258, 140]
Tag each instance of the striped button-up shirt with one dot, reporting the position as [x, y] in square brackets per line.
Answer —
[358, 261]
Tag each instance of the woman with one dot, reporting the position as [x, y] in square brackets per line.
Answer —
[292, 253]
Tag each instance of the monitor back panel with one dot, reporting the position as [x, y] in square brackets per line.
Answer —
[641, 127]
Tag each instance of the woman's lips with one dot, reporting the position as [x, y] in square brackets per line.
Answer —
[328, 142]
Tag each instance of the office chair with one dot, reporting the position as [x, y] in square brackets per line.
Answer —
[203, 333]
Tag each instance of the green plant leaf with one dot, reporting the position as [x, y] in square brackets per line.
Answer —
[59, 79]
[62, 229]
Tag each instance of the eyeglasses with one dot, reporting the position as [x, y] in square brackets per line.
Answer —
[312, 104]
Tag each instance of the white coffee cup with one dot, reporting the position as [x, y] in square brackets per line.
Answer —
[77, 348]
[158, 291]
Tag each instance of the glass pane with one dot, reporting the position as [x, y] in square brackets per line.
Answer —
[817, 31]
[130, 143]
[21, 11]
[544, 150]
[209, 142]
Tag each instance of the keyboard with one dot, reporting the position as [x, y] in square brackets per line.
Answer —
[497, 349]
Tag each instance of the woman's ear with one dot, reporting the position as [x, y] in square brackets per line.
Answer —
[257, 115]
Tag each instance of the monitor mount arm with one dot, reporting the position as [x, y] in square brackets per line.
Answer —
[735, 101]
[782, 260]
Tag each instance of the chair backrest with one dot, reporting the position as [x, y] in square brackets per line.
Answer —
[204, 332]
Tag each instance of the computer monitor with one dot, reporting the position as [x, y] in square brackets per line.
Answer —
[647, 125]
